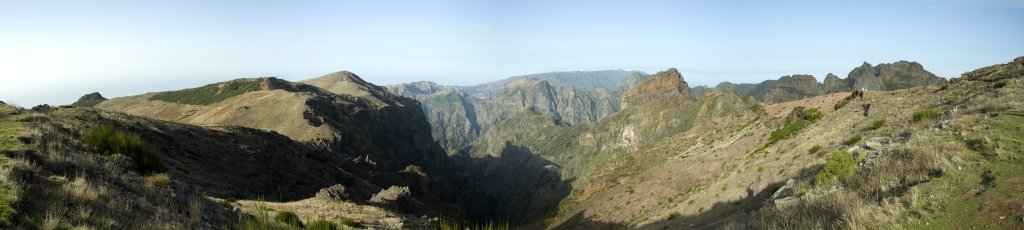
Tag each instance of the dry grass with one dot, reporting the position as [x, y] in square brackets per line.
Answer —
[895, 172]
[831, 211]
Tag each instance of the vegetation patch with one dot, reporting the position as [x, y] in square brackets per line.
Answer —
[322, 224]
[10, 129]
[490, 225]
[814, 149]
[839, 165]
[288, 218]
[853, 140]
[108, 141]
[1003, 83]
[8, 198]
[211, 93]
[878, 124]
[925, 114]
[792, 126]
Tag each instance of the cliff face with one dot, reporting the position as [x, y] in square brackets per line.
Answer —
[458, 116]
[834, 84]
[898, 75]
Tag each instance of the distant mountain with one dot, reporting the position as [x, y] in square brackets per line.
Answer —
[585, 80]
[894, 76]
[89, 100]
[458, 115]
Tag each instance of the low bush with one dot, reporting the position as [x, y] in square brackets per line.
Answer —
[105, 140]
[814, 149]
[925, 114]
[878, 124]
[839, 165]
[1003, 83]
[853, 140]
[289, 218]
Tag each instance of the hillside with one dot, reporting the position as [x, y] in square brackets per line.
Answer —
[177, 176]
[942, 155]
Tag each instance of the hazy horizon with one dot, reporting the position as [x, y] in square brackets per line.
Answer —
[53, 52]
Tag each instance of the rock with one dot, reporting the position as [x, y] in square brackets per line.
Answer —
[867, 107]
[787, 202]
[874, 144]
[794, 87]
[334, 193]
[390, 195]
[784, 190]
[945, 124]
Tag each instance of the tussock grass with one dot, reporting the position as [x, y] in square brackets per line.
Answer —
[895, 172]
[925, 114]
[831, 211]
[853, 140]
[878, 124]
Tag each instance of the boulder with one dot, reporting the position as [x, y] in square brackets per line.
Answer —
[875, 143]
[787, 202]
[390, 195]
[334, 193]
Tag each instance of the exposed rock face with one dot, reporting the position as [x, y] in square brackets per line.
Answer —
[667, 84]
[793, 87]
[459, 115]
[89, 100]
[834, 84]
[898, 75]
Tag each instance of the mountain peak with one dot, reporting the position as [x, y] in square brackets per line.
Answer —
[668, 84]
[89, 100]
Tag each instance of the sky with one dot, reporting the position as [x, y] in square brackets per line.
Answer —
[55, 51]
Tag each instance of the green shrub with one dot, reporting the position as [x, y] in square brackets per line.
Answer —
[792, 126]
[853, 140]
[839, 165]
[289, 218]
[105, 140]
[1003, 83]
[925, 114]
[878, 124]
[322, 224]
[454, 225]
[211, 93]
[944, 87]
[814, 149]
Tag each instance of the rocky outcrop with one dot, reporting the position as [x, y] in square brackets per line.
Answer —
[794, 87]
[898, 75]
[89, 100]
[834, 84]
[668, 84]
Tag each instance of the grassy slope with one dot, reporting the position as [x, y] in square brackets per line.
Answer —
[961, 200]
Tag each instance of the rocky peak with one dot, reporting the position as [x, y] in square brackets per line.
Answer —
[891, 76]
[834, 84]
[668, 84]
[89, 100]
[793, 87]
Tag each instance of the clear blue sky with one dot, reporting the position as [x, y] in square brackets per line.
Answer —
[54, 51]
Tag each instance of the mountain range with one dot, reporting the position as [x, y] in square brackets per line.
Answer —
[889, 146]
